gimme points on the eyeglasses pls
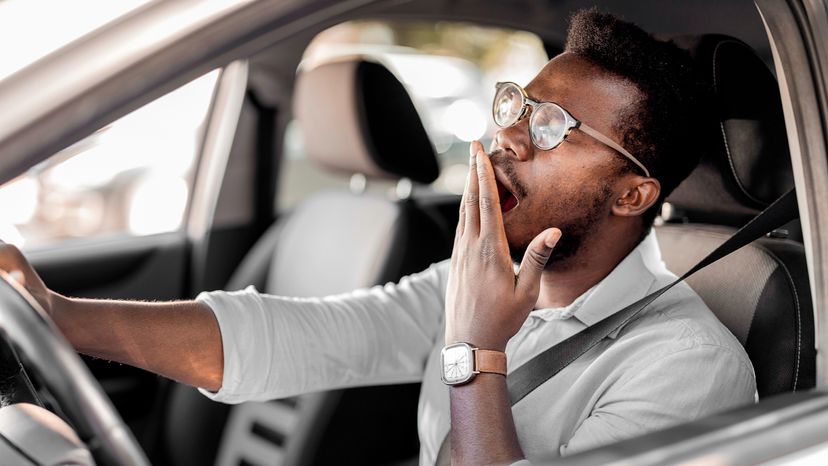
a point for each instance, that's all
(549, 123)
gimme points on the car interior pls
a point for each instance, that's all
(761, 292)
(361, 125)
(377, 241)
(771, 316)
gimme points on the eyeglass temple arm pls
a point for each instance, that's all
(609, 142)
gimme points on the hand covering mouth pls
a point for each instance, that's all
(509, 190)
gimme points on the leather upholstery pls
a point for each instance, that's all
(761, 292)
(358, 118)
(745, 163)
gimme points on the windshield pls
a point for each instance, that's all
(31, 29)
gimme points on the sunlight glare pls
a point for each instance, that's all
(31, 29)
(18, 200)
(466, 119)
(157, 204)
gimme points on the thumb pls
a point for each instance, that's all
(534, 260)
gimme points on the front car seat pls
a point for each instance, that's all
(761, 292)
(357, 119)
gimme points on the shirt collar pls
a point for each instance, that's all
(630, 281)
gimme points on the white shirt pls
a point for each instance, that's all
(674, 363)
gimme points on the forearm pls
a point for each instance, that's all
(179, 340)
(482, 428)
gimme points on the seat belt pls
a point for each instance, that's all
(545, 365)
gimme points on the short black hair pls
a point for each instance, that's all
(661, 127)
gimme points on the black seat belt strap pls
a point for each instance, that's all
(545, 365)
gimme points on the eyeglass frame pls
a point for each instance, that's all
(570, 123)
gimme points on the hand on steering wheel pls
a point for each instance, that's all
(25, 321)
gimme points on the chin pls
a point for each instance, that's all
(518, 245)
(518, 238)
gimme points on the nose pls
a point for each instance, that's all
(516, 138)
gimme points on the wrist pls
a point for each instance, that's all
(482, 379)
(60, 310)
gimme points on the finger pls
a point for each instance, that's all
(471, 196)
(10, 257)
(534, 261)
(491, 219)
(458, 233)
(461, 219)
(10, 261)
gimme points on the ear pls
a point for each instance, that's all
(638, 194)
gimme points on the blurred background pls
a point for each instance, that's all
(133, 177)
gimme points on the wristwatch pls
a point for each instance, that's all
(461, 362)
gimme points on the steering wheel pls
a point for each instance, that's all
(48, 356)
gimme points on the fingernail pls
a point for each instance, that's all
(552, 238)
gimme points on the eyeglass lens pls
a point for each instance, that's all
(547, 124)
(508, 105)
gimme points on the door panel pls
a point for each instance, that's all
(149, 267)
(783, 428)
(144, 268)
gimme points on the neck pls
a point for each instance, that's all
(598, 255)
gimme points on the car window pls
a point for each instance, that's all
(131, 177)
(449, 69)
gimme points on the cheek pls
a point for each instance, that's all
(559, 202)
(554, 193)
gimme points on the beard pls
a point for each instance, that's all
(575, 231)
(588, 208)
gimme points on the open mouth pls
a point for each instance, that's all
(508, 201)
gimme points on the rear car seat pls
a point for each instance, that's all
(356, 118)
(761, 292)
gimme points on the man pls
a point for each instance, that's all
(584, 157)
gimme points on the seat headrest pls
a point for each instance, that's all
(356, 117)
(745, 164)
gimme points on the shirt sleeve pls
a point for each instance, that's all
(276, 347)
(678, 387)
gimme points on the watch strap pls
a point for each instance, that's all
(489, 361)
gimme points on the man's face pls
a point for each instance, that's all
(573, 186)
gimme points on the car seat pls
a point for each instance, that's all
(357, 119)
(761, 292)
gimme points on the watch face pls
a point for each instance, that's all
(457, 363)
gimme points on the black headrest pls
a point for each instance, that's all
(745, 163)
(358, 118)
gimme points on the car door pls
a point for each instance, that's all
(220, 202)
(126, 213)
